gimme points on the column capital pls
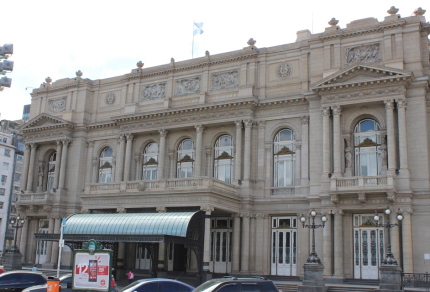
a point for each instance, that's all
(66, 142)
(130, 137)
(408, 211)
(59, 142)
(90, 143)
(304, 120)
(339, 212)
(120, 210)
(163, 133)
(389, 104)
(337, 110)
(245, 215)
(261, 124)
(325, 111)
(401, 102)
(160, 209)
(199, 128)
(248, 123)
(208, 209)
(238, 124)
(121, 137)
(34, 146)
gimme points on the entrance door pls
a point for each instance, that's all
(143, 258)
(284, 246)
(41, 245)
(368, 249)
(221, 245)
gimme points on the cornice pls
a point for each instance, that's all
(344, 33)
(50, 127)
(361, 85)
(99, 125)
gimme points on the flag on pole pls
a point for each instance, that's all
(198, 28)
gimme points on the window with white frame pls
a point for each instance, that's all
(1, 205)
(223, 159)
(284, 158)
(2, 191)
(51, 171)
(7, 152)
(5, 166)
(185, 161)
(105, 165)
(367, 148)
(150, 162)
(4, 140)
(19, 157)
(3, 178)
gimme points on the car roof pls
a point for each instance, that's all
(158, 280)
(22, 272)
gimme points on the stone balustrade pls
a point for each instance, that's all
(34, 198)
(283, 191)
(362, 183)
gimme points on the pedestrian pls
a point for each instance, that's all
(113, 285)
(130, 276)
(34, 269)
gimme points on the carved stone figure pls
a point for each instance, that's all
(187, 86)
(57, 105)
(224, 80)
(153, 91)
(348, 157)
(384, 154)
(365, 53)
(40, 177)
(110, 98)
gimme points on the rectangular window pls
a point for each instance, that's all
(5, 166)
(7, 152)
(19, 157)
(16, 188)
(18, 167)
(2, 190)
(17, 177)
(21, 146)
(3, 178)
(1, 205)
(4, 140)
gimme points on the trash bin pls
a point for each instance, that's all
(53, 284)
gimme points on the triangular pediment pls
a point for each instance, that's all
(45, 121)
(361, 73)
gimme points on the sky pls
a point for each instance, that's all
(107, 38)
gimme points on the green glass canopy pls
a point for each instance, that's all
(174, 224)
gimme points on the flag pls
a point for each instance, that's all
(199, 29)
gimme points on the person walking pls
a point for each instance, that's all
(130, 276)
(34, 269)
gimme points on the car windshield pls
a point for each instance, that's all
(207, 286)
(135, 283)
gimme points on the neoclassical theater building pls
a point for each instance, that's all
(208, 164)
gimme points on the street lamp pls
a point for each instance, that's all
(313, 257)
(389, 258)
(19, 222)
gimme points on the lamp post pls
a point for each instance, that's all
(16, 223)
(389, 258)
(313, 257)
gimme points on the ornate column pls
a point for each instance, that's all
(119, 167)
(62, 179)
(337, 154)
(305, 152)
(162, 152)
(259, 243)
(245, 243)
(247, 152)
(49, 243)
(238, 152)
(128, 157)
(236, 244)
(88, 175)
(298, 164)
(138, 172)
(94, 164)
(199, 149)
(207, 240)
(338, 243)
(408, 255)
(326, 140)
(327, 246)
(57, 164)
(403, 145)
(391, 139)
(31, 167)
(25, 167)
(24, 241)
(54, 253)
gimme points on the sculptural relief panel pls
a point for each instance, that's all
(57, 105)
(364, 53)
(187, 86)
(287, 71)
(153, 91)
(224, 80)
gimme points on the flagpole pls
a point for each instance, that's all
(192, 49)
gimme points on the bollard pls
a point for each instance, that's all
(53, 284)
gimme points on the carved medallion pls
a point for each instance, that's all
(187, 86)
(224, 80)
(153, 91)
(365, 53)
(57, 105)
(110, 98)
(284, 71)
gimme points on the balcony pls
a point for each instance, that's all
(162, 186)
(362, 184)
(34, 199)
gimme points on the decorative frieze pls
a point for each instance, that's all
(153, 91)
(57, 105)
(363, 93)
(187, 86)
(364, 53)
(224, 80)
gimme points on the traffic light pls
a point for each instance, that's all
(6, 65)
(6, 82)
(6, 49)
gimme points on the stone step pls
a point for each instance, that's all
(349, 289)
(286, 287)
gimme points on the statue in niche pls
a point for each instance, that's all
(40, 177)
(348, 157)
(384, 157)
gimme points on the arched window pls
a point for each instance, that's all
(51, 171)
(150, 162)
(105, 165)
(223, 159)
(367, 148)
(185, 164)
(284, 158)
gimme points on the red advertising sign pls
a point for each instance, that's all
(91, 271)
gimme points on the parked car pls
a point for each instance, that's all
(19, 280)
(158, 285)
(232, 284)
(65, 284)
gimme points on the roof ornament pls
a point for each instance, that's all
(419, 11)
(333, 22)
(393, 10)
(139, 64)
(48, 80)
(251, 42)
(79, 73)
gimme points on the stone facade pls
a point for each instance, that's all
(336, 122)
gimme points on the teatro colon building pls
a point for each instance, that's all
(207, 165)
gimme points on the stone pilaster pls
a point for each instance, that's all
(337, 153)
(408, 260)
(391, 139)
(62, 179)
(338, 244)
(236, 243)
(90, 145)
(31, 167)
(305, 152)
(245, 243)
(403, 145)
(119, 167)
(327, 246)
(247, 152)
(162, 154)
(199, 149)
(207, 238)
(127, 161)
(326, 141)
(238, 152)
